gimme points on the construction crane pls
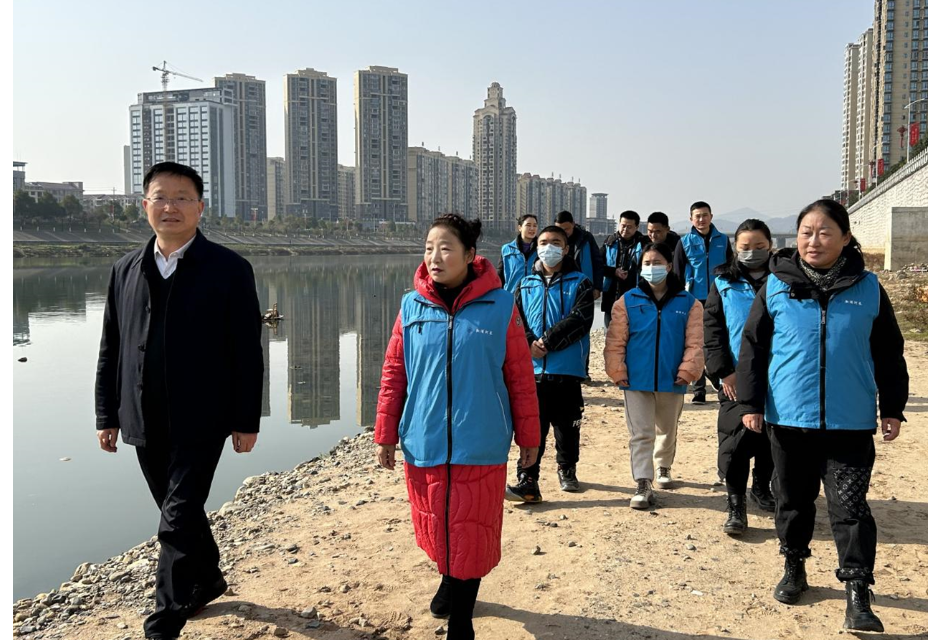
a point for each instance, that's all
(165, 80)
(166, 73)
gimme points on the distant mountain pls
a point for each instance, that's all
(728, 222)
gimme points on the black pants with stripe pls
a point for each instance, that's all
(842, 462)
(560, 407)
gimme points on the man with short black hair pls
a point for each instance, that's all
(622, 257)
(703, 249)
(657, 230)
(179, 370)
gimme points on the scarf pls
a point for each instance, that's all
(823, 280)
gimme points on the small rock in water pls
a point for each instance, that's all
(23, 359)
(65, 459)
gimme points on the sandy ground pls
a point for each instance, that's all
(604, 570)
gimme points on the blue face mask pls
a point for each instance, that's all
(550, 254)
(654, 273)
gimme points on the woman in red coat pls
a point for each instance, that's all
(456, 385)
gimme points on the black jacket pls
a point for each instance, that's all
(212, 354)
(619, 287)
(887, 343)
(583, 240)
(672, 240)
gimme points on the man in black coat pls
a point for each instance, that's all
(179, 370)
(622, 261)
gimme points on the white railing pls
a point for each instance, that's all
(917, 162)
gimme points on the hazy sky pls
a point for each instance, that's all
(656, 103)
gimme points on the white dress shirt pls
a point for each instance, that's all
(168, 265)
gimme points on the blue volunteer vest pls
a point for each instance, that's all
(699, 272)
(611, 259)
(543, 308)
(584, 262)
(736, 299)
(515, 265)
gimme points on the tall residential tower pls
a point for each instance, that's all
(494, 152)
(251, 144)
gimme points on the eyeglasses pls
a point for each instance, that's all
(173, 202)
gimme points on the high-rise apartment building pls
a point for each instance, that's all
(850, 118)
(545, 197)
(347, 192)
(440, 184)
(277, 188)
(494, 152)
(251, 144)
(574, 199)
(598, 208)
(864, 110)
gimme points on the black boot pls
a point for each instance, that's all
(526, 491)
(793, 583)
(736, 524)
(763, 496)
(568, 479)
(463, 599)
(858, 613)
(440, 603)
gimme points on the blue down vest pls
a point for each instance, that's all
(736, 299)
(545, 306)
(699, 272)
(656, 341)
(515, 265)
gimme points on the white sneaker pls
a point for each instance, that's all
(663, 479)
(644, 496)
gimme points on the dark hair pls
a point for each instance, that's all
(835, 212)
(699, 205)
(733, 269)
(564, 216)
(174, 169)
(553, 229)
(521, 219)
(753, 224)
(659, 247)
(631, 215)
(658, 217)
(467, 231)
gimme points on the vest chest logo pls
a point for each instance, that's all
(483, 331)
(681, 313)
(857, 303)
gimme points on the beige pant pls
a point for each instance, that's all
(653, 421)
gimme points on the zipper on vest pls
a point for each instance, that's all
(544, 318)
(450, 421)
(824, 305)
(659, 323)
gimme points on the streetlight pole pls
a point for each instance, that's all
(907, 108)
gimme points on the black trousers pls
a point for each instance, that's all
(560, 406)
(737, 445)
(179, 478)
(842, 461)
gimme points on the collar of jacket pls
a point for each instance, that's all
(486, 281)
(519, 244)
(577, 236)
(196, 250)
(614, 238)
(712, 231)
(785, 265)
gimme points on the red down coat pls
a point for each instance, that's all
(469, 545)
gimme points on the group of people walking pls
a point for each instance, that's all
(797, 343)
(802, 346)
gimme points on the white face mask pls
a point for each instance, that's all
(550, 254)
(654, 273)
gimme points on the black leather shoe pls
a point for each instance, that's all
(568, 480)
(761, 494)
(202, 596)
(793, 583)
(736, 524)
(440, 603)
(858, 613)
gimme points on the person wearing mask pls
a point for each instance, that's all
(653, 350)
(728, 304)
(556, 303)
